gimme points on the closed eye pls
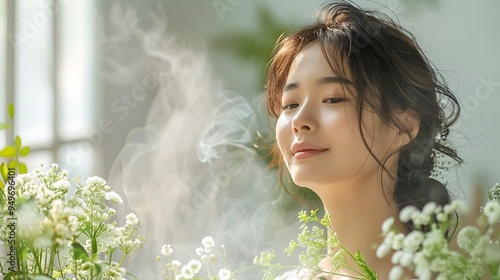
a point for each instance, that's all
(332, 100)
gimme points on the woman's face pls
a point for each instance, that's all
(318, 132)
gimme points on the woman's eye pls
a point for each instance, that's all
(333, 100)
(289, 106)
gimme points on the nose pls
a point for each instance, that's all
(304, 121)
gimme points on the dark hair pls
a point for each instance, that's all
(389, 74)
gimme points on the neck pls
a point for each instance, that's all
(357, 211)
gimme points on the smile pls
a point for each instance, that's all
(307, 153)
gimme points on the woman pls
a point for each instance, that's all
(360, 113)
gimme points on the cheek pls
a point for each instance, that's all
(283, 132)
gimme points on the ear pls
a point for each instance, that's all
(410, 122)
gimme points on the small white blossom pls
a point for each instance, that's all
(406, 259)
(199, 251)
(468, 238)
(396, 273)
(166, 250)
(386, 226)
(396, 257)
(224, 274)
(383, 250)
(406, 213)
(492, 211)
(429, 208)
(113, 197)
(208, 243)
(413, 240)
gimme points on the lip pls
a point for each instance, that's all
(304, 150)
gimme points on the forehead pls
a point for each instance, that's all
(310, 62)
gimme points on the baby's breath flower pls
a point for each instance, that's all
(406, 213)
(429, 208)
(406, 259)
(166, 250)
(113, 197)
(383, 250)
(413, 240)
(199, 251)
(208, 243)
(224, 274)
(492, 211)
(396, 273)
(386, 226)
(468, 238)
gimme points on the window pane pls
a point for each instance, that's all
(3, 64)
(75, 70)
(33, 98)
(77, 158)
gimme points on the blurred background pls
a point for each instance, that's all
(77, 83)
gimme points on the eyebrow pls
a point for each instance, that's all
(321, 81)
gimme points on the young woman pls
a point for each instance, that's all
(360, 112)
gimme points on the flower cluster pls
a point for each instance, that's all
(207, 254)
(430, 253)
(318, 244)
(61, 235)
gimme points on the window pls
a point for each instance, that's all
(49, 62)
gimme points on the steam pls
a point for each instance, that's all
(190, 171)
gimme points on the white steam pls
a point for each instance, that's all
(190, 171)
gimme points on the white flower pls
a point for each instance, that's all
(396, 273)
(176, 264)
(224, 274)
(468, 238)
(413, 240)
(187, 272)
(460, 206)
(396, 257)
(131, 219)
(195, 265)
(166, 250)
(199, 251)
(492, 211)
(208, 243)
(114, 197)
(406, 213)
(62, 185)
(397, 241)
(406, 259)
(383, 250)
(386, 226)
(429, 208)
(95, 181)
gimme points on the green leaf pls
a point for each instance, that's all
(23, 169)
(3, 171)
(2, 187)
(11, 111)
(98, 268)
(4, 126)
(78, 252)
(18, 143)
(13, 164)
(24, 151)
(8, 152)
